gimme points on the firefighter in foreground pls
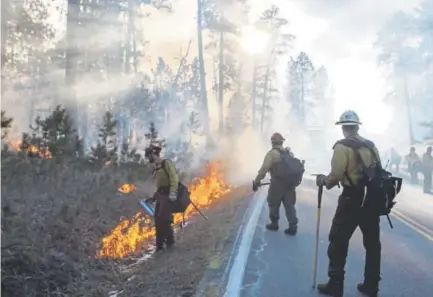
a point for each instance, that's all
(166, 180)
(279, 189)
(350, 213)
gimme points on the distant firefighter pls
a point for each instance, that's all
(427, 170)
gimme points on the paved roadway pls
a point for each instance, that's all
(272, 264)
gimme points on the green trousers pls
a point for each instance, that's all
(278, 194)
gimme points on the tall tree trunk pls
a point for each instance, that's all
(128, 42)
(71, 60)
(221, 83)
(408, 110)
(302, 101)
(254, 94)
(264, 98)
(215, 77)
(131, 49)
(203, 94)
(265, 88)
(4, 17)
(32, 105)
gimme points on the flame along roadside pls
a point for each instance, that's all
(130, 236)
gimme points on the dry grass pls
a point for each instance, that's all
(177, 272)
(54, 214)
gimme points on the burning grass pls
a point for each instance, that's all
(55, 212)
(131, 235)
(201, 246)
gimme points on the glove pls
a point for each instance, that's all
(150, 200)
(320, 180)
(172, 196)
(255, 186)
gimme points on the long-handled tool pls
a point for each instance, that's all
(199, 211)
(257, 186)
(149, 209)
(316, 252)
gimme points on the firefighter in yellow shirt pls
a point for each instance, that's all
(278, 191)
(166, 181)
(346, 170)
(413, 165)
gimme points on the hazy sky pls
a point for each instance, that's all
(340, 34)
(336, 33)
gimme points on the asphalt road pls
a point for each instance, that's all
(272, 264)
(416, 209)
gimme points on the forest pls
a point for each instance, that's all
(97, 62)
(84, 91)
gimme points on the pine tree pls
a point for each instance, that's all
(129, 155)
(153, 136)
(6, 124)
(193, 124)
(299, 74)
(53, 136)
(105, 151)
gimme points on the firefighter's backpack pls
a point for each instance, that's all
(381, 187)
(289, 170)
(183, 195)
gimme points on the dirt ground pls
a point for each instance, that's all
(176, 273)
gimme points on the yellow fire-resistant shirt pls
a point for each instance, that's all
(162, 179)
(344, 160)
(272, 157)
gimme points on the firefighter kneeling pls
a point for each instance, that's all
(166, 180)
(351, 211)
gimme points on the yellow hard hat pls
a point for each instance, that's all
(349, 118)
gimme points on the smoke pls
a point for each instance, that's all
(242, 155)
(344, 47)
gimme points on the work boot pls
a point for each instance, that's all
(292, 230)
(159, 249)
(273, 226)
(331, 288)
(369, 290)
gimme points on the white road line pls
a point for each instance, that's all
(236, 275)
(421, 229)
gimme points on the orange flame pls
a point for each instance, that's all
(43, 153)
(126, 188)
(131, 236)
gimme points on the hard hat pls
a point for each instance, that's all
(349, 118)
(277, 138)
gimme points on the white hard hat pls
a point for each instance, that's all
(349, 118)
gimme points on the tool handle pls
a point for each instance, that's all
(319, 197)
(389, 222)
(316, 249)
